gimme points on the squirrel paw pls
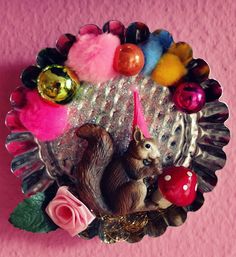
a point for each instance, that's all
(156, 170)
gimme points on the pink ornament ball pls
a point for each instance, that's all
(45, 121)
(91, 57)
(189, 97)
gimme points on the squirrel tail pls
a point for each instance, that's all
(96, 158)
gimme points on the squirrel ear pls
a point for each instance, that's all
(138, 135)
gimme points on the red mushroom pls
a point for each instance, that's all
(178, 185)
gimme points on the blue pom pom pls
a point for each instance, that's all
(165, 38)
(152, 50)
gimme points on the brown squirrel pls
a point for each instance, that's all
(114, 185)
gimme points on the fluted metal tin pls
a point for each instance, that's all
(195, 141)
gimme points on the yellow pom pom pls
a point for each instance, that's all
(183, 51)
(169, 70)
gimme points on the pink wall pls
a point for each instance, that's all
(209, 26)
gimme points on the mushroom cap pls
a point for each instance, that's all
(178, 185)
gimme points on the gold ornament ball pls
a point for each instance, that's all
(57, 84)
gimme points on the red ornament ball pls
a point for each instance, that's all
(178, 185)
(64, 43)
(128, 60)
(90, 29)
(18, 99)
(189, 97)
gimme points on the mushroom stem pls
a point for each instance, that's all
(158, 198)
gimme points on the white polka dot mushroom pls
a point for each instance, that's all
(177, 185)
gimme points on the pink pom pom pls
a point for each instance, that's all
(45, 121)
(91, 57)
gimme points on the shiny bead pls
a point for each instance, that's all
(29, 76)
(57, 84)
(64, 43)
(17, 98)
(212, 89)
(90, 29)
(49, 56)
(136, 33)
(189, 97)
(198, 70)
(183, 51)
(13, 122)
(164, 37)
(128, 60)
(116, 28)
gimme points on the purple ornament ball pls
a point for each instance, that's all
(212, 90)
(189, 97)
(116, 28)
(136, 33)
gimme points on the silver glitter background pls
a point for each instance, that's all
(111, 106)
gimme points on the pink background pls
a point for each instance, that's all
(209, 26)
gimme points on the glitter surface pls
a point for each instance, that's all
(111, 105)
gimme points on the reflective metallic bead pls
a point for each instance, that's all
(136, 33)
(116, 28)
(64, 43)
(189, 97)
(29, 76)
(198, 70)
(128, 60)
(57, 84)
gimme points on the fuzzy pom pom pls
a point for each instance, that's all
(45, 121)
(152, 50)
(91, 57)
(169, 70)
(165, 38)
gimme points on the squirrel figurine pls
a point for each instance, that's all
(114, 185)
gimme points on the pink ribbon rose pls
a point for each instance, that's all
(68, 212)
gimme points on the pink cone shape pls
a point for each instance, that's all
(139, 119)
